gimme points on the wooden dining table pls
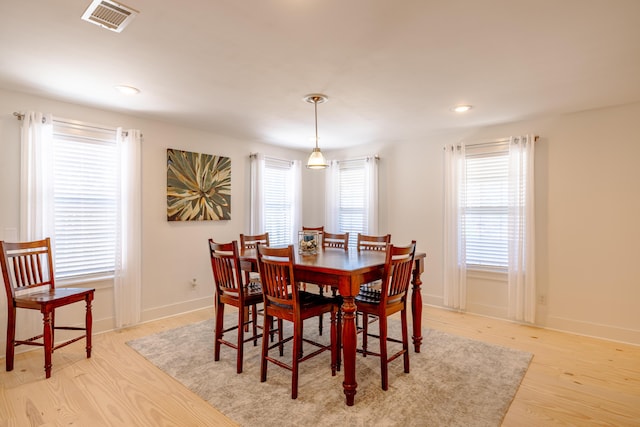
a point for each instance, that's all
(346, 271)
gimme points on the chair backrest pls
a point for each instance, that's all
(248, 241)
(225, 265)
(276, 275)
(336, 240)
(373, 243)
(318, 229)
(26, 265)
(398, 269)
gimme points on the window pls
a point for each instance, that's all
(279, 201)
(489, 220)
(485, 207)
(86, 194)
(352, 199)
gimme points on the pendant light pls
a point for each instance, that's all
(316, 159)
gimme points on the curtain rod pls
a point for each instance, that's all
(497, 141)
(20, 116)
(63, 121)
(487, 143)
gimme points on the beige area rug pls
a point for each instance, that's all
(454, 381)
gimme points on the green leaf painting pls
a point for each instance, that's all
(198, 186)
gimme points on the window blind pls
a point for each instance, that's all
(486, 208)
(278, 200)
(86, 193)
(352, 210)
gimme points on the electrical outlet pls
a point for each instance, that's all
(194, 282)
(542, 299)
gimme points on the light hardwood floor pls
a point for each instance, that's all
(572, 380)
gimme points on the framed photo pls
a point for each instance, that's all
(198, 186)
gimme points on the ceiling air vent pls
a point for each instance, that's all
(109, 14)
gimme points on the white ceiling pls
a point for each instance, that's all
(391, 69)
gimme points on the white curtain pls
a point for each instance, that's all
(521, 231)
(332, 197)
(371, 183)
(256, 204)
(36, 177)
(128, 271)
(455, 267)
(257, 221)
(296, 223)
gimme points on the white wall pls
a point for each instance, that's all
(173, 253)
(587, 217)
(588, 205)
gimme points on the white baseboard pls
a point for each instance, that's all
(594, 330)
(175, 309)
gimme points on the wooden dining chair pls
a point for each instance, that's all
(231, 290)
(29, 280)
(248, 241)
(336, 240)
(251, 242)
(371, 243)
(391, 298)
(320, 229)
(285, 301)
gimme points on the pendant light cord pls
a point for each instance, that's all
(315, 105)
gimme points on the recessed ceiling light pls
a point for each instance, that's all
(461, 108)
(127, 90)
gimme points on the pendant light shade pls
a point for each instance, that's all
(316, 159)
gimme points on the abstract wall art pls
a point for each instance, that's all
(198, 186)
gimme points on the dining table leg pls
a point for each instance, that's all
(416, 304)
(349, 348)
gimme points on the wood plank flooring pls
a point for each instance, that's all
(572, 380)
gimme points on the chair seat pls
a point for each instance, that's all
(309, 300)
(368, 298)
(58, 294)
(249, 292)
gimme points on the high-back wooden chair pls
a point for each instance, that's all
(251, 242)
(318, 229)
(336, 240)
(391, 298)
(285, 301)
(373, 243)
(231, 290)
(248, 241)
(28, 274)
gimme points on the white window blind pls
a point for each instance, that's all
(486, 207)
(352, 209)
(278, 201)
(86, 194)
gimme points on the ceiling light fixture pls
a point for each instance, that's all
(316, 159)
(461, 108)
(127, 90)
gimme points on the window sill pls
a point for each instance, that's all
(97, 281)
(487, 273)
